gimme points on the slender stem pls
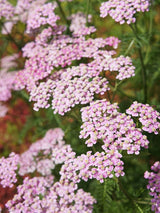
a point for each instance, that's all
(150, 35)
(62, 12)
(109, 97)
(104, 195)
(143, 202)
(129, 47)
(58, 120)
(10, 37)
(87, 11)
(115, 90)
(144, 74)
(129, 197)
(124, 94)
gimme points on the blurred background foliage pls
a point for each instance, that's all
(23, 126)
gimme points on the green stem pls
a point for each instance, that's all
(87, 11)
(150, 35)
(104, 195)
(124, 94)
(129, 47)
(129, 197)
(11, 38)
(115, 90)
(143, 68)
(63, 13)
(58, 120)
(143, 202)
(109, 97)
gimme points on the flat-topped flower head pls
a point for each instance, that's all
(7, 77)
(154, 185)
(123, 11)
(101, 120)
(149, 118)
(78, 25)
(29, 195)
(8, 168)
(6, 84)
(43, 155)
(87, 166)
(42, 15)
(40, 194)
(77, 85)
(6, 9)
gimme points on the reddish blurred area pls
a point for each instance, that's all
(10, 125)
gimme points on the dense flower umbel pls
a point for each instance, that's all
(101, 120)
(78, 25)
(7, 78)
(154, 185)
(76, 86)
(88, 166)
(29, 196)
(44, 154)
(6, 9)
(124, 10)
(149, 118)
(65, 198)
(8, 167)
(42, 15)
(40, 195)
(6, 84)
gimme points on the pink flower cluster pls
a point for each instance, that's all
(78, 25)
(102, 121)
(149, 118)
(44, 154)
(28, 199)
(104, 61)
(25, 7)
(40, 195)
(123, 11)
(154, 185)
(7, 78)
(8, 168)
(6, 9)
(76, 86)
(42, 15)
(88, 166)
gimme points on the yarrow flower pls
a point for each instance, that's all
(123, 11)
(40, 195)
(76, 86)
(6, 77)
(42, 15)
(23, 8)
(78, 25)
(6, 9)
(43, 155)
(102, 121)
(154, 185)
(149, 118)
(8, 168)
(88, 166)
(28, 198)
